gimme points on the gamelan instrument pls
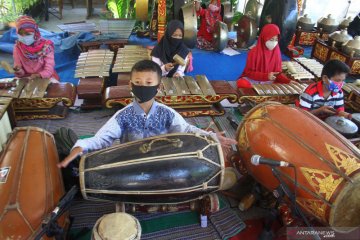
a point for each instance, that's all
(324, 52)
(306, 34)
(126, 59)
(344, 126)
(31, 184)
(142, 10)
(246, 32)
(117, 226)
(94, 63)
(38, 98)
(116, 28)
(78, 27)
(253, 9)
(165, 169)
(297, 72)
(7, 120)
(284, 14)
(188, 16)
(189, 96)
(352, 95)
(327, 164)
(312, 65)
(228, 14)
(220, 36)
(283, 93)
(92, 68)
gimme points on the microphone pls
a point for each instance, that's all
(257, 159)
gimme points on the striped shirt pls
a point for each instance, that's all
(313, 98)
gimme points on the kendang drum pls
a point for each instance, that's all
(327, 164)
(165, 169)
(30, 183)
(117, 226)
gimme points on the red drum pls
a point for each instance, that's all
(30, 183)
(327, 164)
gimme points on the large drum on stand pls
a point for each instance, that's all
(165, 169)
(30, 183)
(327, 164)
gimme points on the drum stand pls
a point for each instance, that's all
(279, 193)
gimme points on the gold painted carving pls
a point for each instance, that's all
(343, 160)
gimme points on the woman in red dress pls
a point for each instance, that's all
(208, 17)
(263, 64)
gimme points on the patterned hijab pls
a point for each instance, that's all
(40, 47)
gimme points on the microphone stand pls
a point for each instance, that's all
(284, 188)
(50, 226)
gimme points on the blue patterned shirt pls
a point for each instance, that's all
(132, 123)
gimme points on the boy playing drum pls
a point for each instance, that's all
(143, 118)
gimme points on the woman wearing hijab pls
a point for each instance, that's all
(263, 65)
(170, 45)
(208, 17)
(33, 55)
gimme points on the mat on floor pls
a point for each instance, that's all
(176, 225)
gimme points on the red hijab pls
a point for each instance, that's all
(260, 58)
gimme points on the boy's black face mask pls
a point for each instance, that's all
(144, 93)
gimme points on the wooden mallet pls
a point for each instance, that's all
(7, 67)
(179, 60)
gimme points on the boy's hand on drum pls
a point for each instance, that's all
(73, 154)
(225, 141)
(169, 66)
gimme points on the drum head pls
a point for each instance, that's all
(119, 226)
(342, 125)
(344, 216)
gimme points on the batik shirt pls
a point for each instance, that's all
(132, 123)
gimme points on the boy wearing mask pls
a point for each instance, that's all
(325, 98)
(143, 118)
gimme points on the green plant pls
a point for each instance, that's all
(237, 17)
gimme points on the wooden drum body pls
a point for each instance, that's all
(166, 169)
(30, 183)
(327, 165)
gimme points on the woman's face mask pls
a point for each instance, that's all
(271, 44)
(27, 40)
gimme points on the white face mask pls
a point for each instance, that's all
(271, 44)
(27, 40)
